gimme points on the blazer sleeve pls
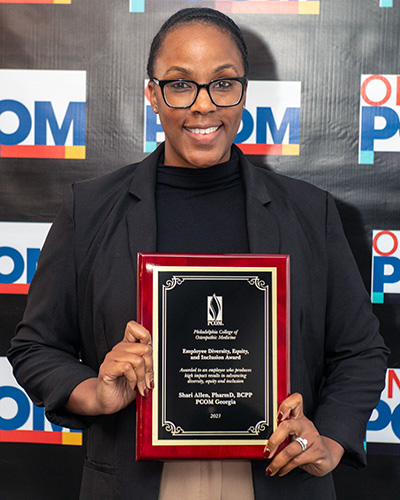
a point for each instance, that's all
(45, 351)
(355, 353)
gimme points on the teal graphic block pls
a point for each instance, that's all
(136, 6)
(150, 146)
(377, 298)
(366, 158)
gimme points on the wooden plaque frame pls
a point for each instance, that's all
(213, 318)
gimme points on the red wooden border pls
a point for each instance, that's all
(144, 448)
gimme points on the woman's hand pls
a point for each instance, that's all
(126, 368)
(321, 454)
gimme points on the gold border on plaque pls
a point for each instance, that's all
(156, 334)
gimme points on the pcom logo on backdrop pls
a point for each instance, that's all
(245, 6)
(384, 424)
(20, 245)
(379, 116)
(385, 3)
(42, 114)
(270, 122)
(23, 422)
(385, 267)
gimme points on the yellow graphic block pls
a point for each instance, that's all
(75, 152)
(72, 438)
(291, 149)
(309, 7)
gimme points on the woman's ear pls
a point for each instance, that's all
(245, 95)
(152, 96)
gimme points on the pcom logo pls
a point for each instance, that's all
(379, 116)
(385, 267)
(215, 310)
(36, 1)
(384, 424)
(20, 245)
(23, 422)
(42, 114)
(247, 6)
(270, 121)
(385, 3)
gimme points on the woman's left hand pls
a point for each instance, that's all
(321, 454)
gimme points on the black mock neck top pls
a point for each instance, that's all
(201, 210)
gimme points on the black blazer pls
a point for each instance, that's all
(84, 293)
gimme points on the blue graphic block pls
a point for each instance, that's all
(377, 298)
(136, 6)
(366, 158)
(386, 3)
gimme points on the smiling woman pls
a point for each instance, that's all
(200, 117)
(79, 351)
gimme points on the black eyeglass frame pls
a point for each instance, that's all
(162, 83)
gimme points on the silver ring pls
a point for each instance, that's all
(302, 442)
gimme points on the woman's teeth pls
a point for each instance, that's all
(203, 131)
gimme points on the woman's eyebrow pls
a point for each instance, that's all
(226, 66)
(189, 72)
(178, 68)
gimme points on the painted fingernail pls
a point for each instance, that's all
(146, 392)
(280, 416)
(268, 472)
(267, 453)
(152, 384)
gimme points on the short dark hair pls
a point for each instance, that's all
(201, 15)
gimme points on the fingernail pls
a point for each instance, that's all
(280, 416)
(267, 453)
(152, 384)
(146, 392)
(268, 472)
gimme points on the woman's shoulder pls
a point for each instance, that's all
(116, 185)
(297, 187)
(280, 185)
(92, 203)
(100, 187)
(285, 190)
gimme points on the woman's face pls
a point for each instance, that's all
(202, 135)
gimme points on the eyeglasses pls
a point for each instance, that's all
(223, 92)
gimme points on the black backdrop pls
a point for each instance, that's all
(327, 52)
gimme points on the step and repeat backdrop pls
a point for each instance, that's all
(323, 105)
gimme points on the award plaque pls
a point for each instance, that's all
(220, 333)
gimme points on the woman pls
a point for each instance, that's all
(78, 350)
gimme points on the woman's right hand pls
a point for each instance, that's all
(126, 368)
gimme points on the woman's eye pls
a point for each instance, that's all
(179, 86)
(222, 85)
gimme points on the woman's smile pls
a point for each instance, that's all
(203, 136)
(202, 131)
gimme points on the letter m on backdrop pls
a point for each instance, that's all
(75, 117)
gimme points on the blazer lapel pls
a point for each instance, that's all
(262, 222)
(141, 218)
